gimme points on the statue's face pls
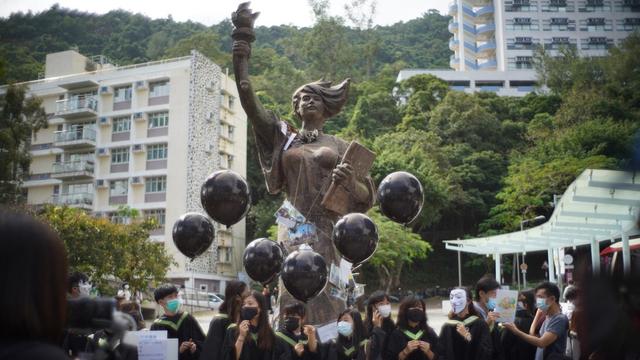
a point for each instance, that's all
(311, 106)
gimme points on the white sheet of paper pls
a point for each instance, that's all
(327, 332)
(152, 349)
(345, 271)
(133, 337)
(506, 301)
(172, 349)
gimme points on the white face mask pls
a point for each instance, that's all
(458, 298)
(84, 288)
(384, 310)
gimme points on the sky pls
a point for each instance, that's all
(272, 12)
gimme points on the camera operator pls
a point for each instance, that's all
(103, 339)
(79, 287)
(33, 270)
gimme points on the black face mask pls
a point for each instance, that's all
(248, 312)
(415, 315)
(291, 323)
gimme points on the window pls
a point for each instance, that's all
(232, 101)
(118, 187)
(159, 119)
(160, 88)
(122, 124)
(230, 131)
(158, 215)
(121, 94)
(157, 151)
(120, 155)
(156, 184)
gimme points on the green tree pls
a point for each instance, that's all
(206, 42)
(20, 117)
(397, 248)
(107, 251)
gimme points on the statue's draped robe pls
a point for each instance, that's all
(303, 171)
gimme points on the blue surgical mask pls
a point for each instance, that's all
(345, 328)
(491, 303)
(542, 304)
(174, 305)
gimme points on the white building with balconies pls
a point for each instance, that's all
(493, 40)
(145, 136)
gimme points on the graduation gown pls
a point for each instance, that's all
(292, 339)
(454, 347)
(343, 348)
(212, 347)
(250, 350)
(515, 348)
(378, 339)
(183, 327)
(400, 337)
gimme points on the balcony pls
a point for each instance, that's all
(453, 26)
(486, 31)
(224, 146)
(73, 170)
(75, 138)
(76, 107)
(453, 9)
(453, 44)
(491, 64)
(79, 200)
(454, 62)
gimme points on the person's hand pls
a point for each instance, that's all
(241, 48)
(510, 326)
(377, 319)
(412, 345)
(310, 331)
(184, 346)
(492, 316)
(192, 346)
(463, 331)
(244, 329)
(343, 174)
(299, 348)
(424, 346)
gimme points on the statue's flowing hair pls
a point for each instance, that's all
(333, 97)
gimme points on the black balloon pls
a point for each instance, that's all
(193, 233)
(356, 237)
(304, 273)
(400, 196)
(262, 260)
(225, 196)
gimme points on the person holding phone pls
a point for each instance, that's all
(378, 324)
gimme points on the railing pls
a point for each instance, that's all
(75, 134)
(72, 166)
(73, 199)
(76, 104)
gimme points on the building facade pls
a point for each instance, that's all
(144, 136)
(493, 40)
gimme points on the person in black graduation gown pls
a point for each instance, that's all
(301, 338)
(465, 336)
(413, 339)
(252, 337)
(228, 313)
(351, 342)
(514, 347)
(378, 324)
(179, 325)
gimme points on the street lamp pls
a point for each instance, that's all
(532, 221)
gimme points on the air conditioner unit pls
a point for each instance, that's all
(101, 183)
(138, 148)
(139, 116)
(104, 90)
(103, 151)
(104, 121)
(136, 180)
(141, 85)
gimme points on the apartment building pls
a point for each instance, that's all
(144, 136)
(493, 40)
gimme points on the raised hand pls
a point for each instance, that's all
(243, 17)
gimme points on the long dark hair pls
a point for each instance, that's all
(33, 279)
(266, 337)
(470, 308)
(529, 297)
(233, 299)
(374, 299)
(359, 333)
(407, 303)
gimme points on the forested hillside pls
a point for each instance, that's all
(485, 162)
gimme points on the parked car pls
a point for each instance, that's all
(202, 299)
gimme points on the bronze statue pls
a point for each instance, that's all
(302, 162)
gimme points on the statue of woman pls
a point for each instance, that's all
(301, 162)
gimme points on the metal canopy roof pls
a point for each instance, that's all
(599, 205)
